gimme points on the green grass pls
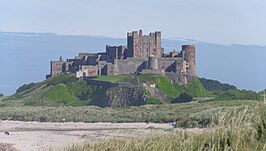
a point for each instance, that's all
(196, 89)
(59, 94)
(112, 78)
(63, 89)
(164, 84)
(61, 78)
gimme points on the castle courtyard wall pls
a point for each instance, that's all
(131, 65)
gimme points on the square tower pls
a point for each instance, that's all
(144, 45)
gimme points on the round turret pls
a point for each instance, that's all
(190, 58)
(153, 62)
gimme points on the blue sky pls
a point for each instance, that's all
(216, 21)
(211, 21)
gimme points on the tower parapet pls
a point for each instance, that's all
(142, 46)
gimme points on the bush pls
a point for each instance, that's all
(238, 95)
(213, 85)
(25, 87)
(184, 97)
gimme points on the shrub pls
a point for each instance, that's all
(238, 95)
(214, 85)
(25, 87)
(184, 97)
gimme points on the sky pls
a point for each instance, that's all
(214, 21)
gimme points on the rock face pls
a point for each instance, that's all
(123, 96)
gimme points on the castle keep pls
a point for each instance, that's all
(142, 55)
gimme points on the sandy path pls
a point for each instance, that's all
(39, 136)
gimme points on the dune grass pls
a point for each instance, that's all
(232, 125)
(239, 128)
(188, 114)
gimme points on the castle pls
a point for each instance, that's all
(142, 55)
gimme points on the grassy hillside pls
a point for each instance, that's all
(231, 125)
(214, 85)
(163, 84)
(194, 88)
(65, 89)
(59, 94)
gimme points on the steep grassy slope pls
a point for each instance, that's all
(59, 94)
(196, 89)
(163, 84)
(65, 89)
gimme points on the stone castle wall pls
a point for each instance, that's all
(131, 65)
(143, 54)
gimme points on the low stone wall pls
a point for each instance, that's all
(110, 84)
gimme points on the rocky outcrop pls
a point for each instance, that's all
(124, 96)
(157, 93)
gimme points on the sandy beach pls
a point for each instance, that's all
(42, 136)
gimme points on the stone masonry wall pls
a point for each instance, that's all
(130, 66)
